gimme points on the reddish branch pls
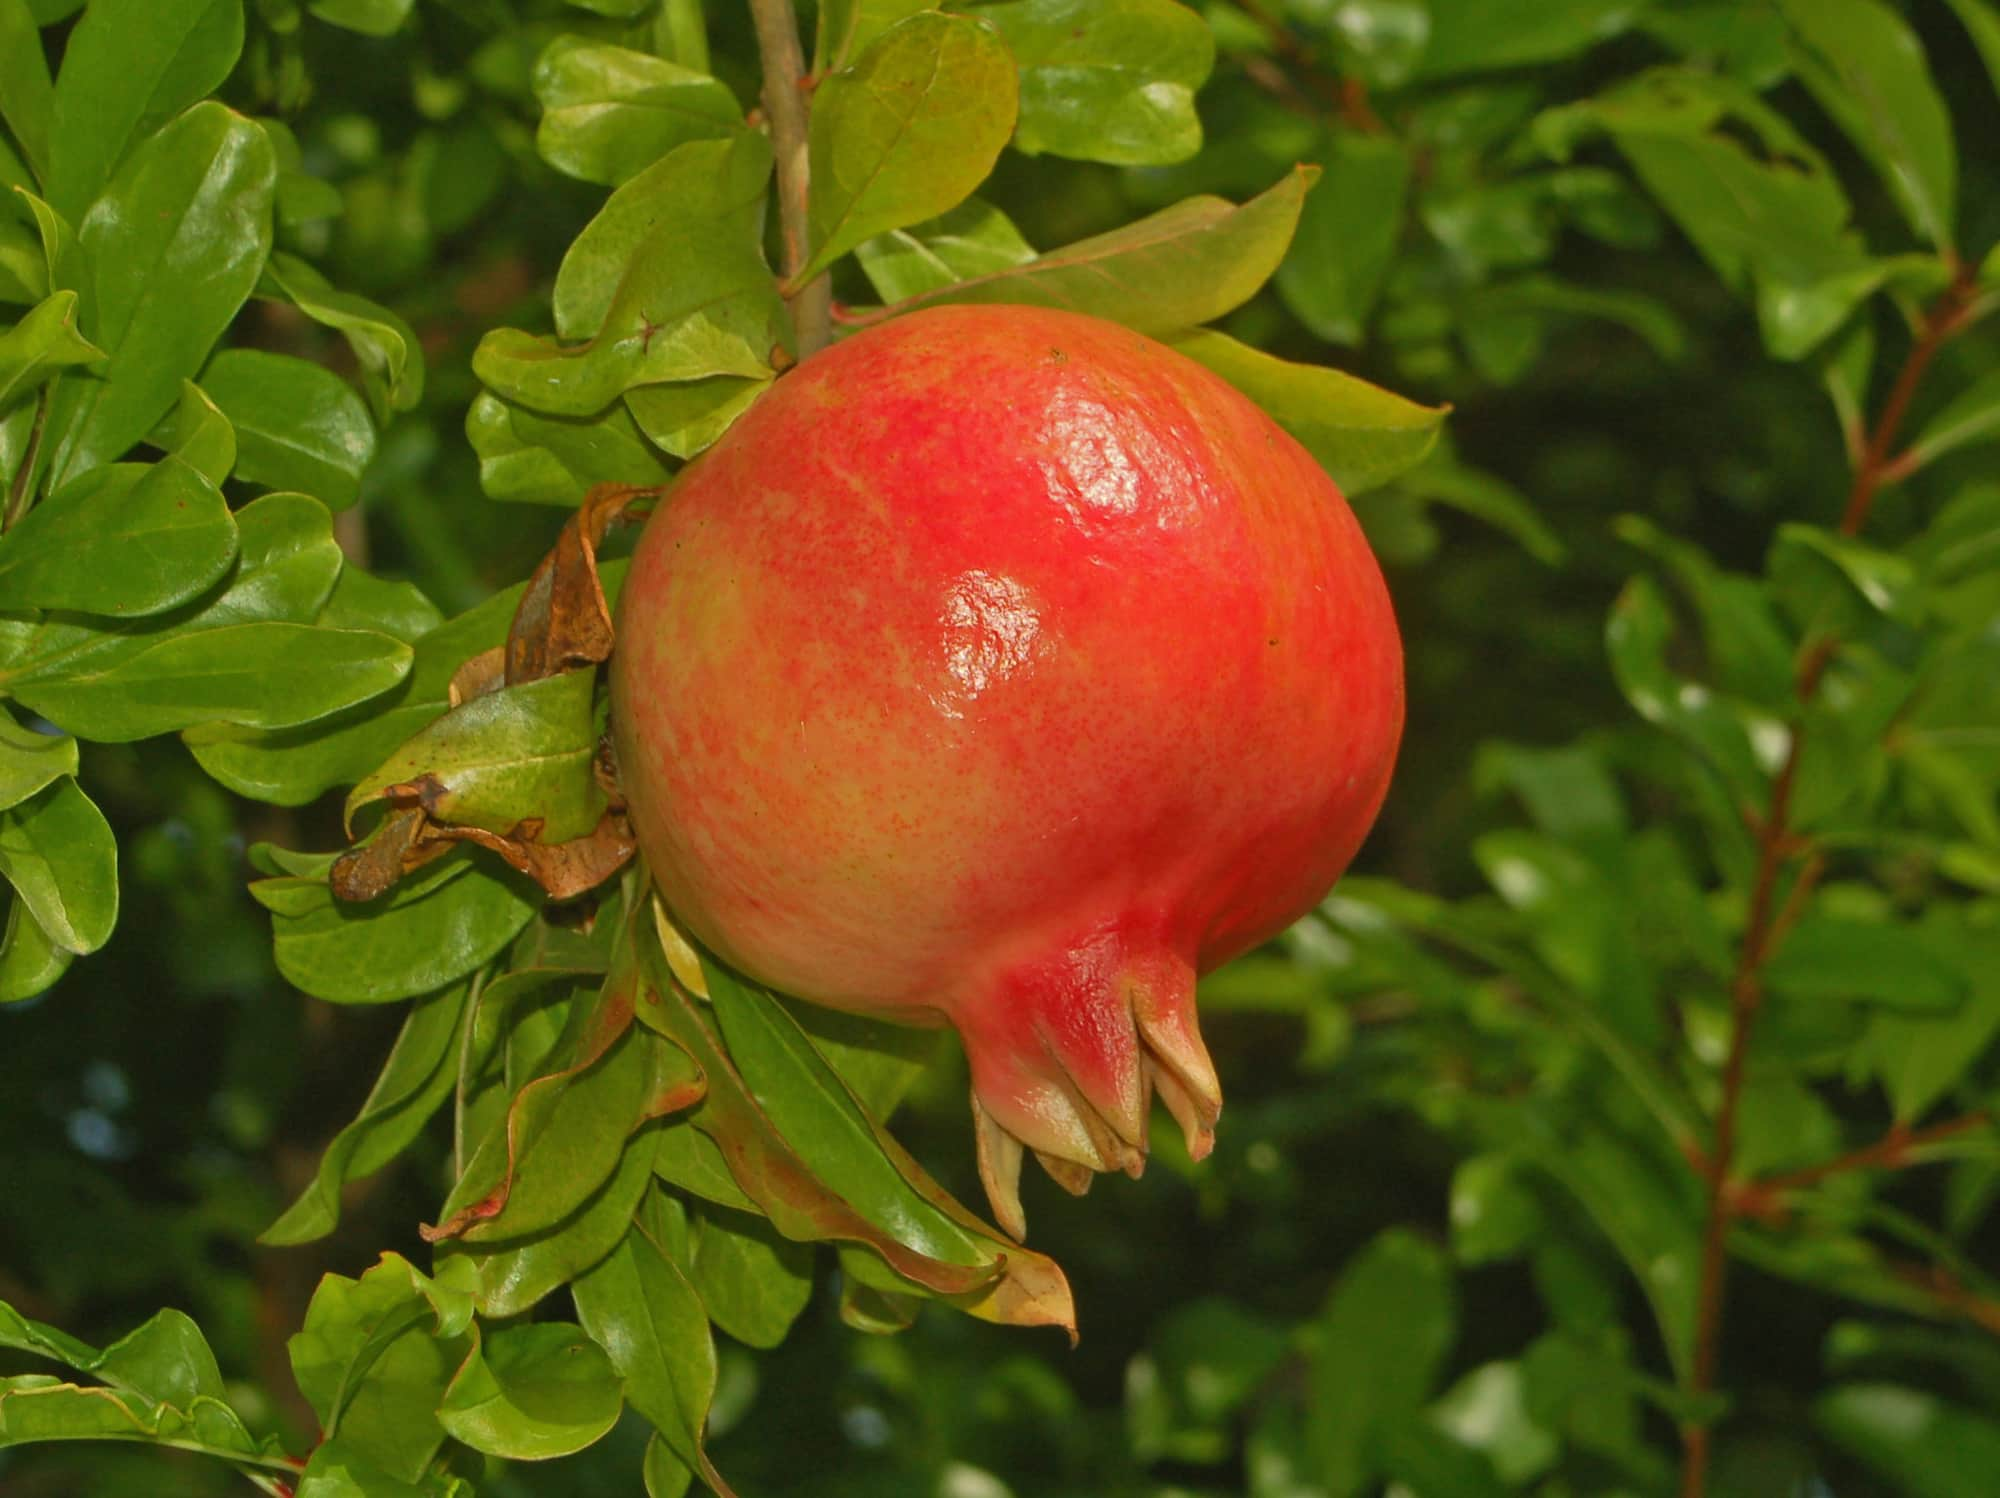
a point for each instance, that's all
(1768, 920)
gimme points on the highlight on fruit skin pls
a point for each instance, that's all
(1003, 667)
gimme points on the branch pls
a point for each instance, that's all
(1768, 920)
(1902, 1146)
(785, 107)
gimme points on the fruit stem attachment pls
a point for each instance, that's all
(786, 108)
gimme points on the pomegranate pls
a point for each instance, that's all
(1005, 667)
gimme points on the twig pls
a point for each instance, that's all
(1768, 921)
(1347, 97)
(1902, 1146)
(785, 107)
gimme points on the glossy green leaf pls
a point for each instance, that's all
(61, 856)
(908, 130)
(752, 1282)
(665, 1474)
(516, 1274)
(1106, 80)
(1973, 416)
(515, 753)
(261, 675)
(528, 458)
(814, 1111)
(696, 301)
(1175, 269)
(1926, 1446)
(1384, 1335)
(336, 1470)
(415, 1080)
(433, 928)
(175, 245)
(1347, 233)
(369, 17)
(1360, 433)
(391, 360)
(1869, 72)
(27, 99)
(688, 417)
(29, 961)
(35, 1408)
(973, 239)
(30, 760)
(533, 1392)
(713, 182)
(1441, 479)
(845, 27)
(640, 1308)
(197, 433)
(689, 1159)
(375, 1355)
(294, 766)
(298, 425)
(608, 112)
(128, 540)
(129, 66)
(41, 345)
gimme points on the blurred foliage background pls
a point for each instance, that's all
(1450, 1239)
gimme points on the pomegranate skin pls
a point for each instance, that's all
(1005, 667)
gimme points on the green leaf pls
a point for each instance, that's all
(391, 360)
(294, 766)
(686, 418)
(374, 1357)
(907, 131)
(528, 458)
(1928, 1447)
(1982, 23)
(29, 961)
(336, 1470)
(41, 345)
(130, 539)
(689, 1159)
(517, 752)
(608, 113)
(1185, 265)
(1869, 73)
(845, 27)
(1106, 80)
(129, 66)
(263, 675)
(1347, 234)
(817, 1115)
(697, 300)
(1973, 416)
(1636, 637)
(27, 100)
(61, 856)
(973, 239)
(640, 1308)
(516, 1274)
(369, 17)
(1471, 36)
(1749, 651)
(1360, 433)
(198, 434)
(45, 1341)
(753, 1282)
(1441, 479)
(175, 244)
(711, 182)
(1825, 957)
(298, 425)
(1383, 1339)
(30, 760)
(533, 1392)
(432, 929)
(415, 1080)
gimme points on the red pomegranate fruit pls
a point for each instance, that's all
(1005, 667)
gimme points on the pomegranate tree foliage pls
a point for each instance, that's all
(1674, 966)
